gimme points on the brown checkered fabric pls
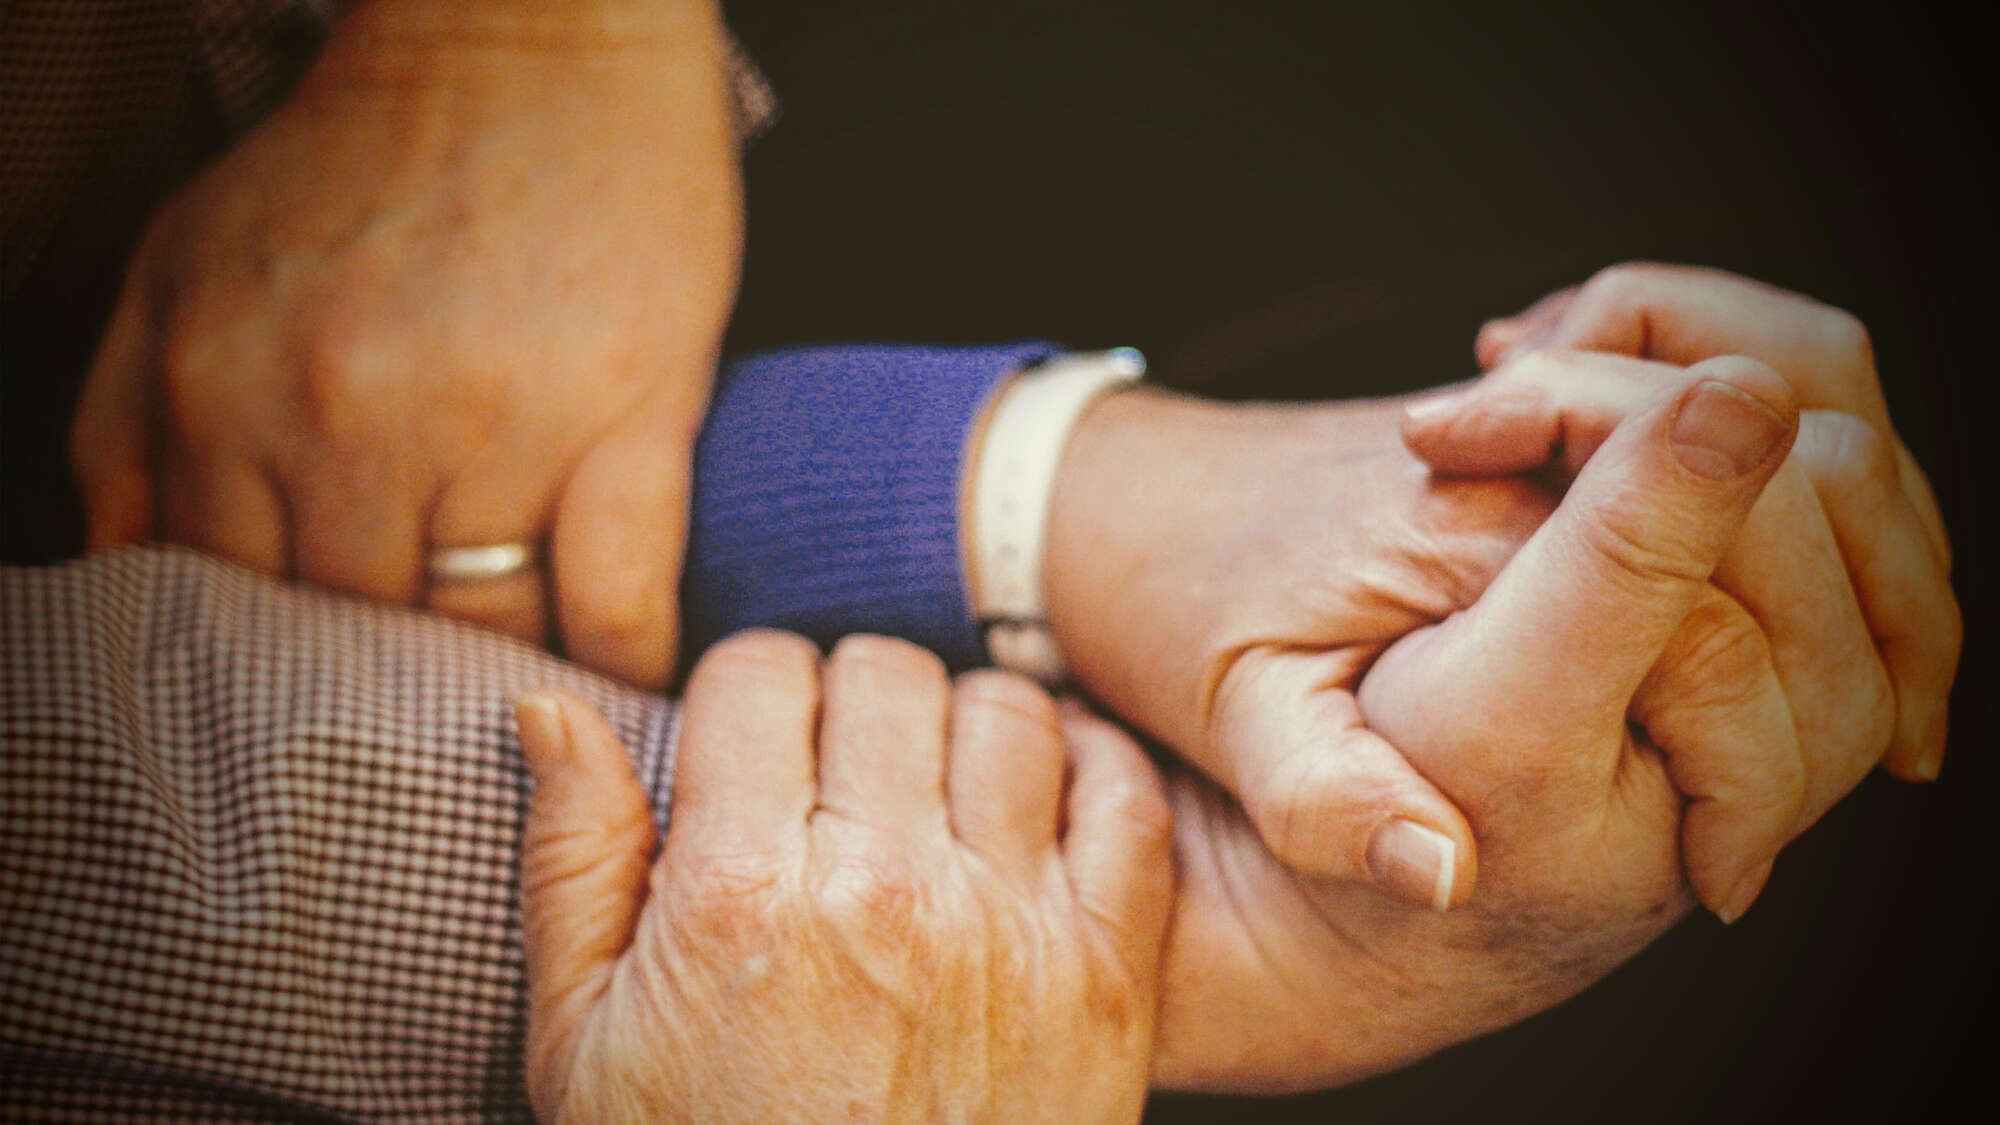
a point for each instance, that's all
(258, 848)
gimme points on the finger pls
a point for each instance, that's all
(1004, 778)
(619, 535)
(1118, 842)
(110, 441)
(357, 528)
(1714, 705)
(490, 508)
(514, 604)
(585, 852)
(1328, 796)
(1683, 315)
(1917, 487)
(882, 734)
(1905, 591)
(1542, 406)
(1605, 583)
(1785, 567)
(1531, 327)
(1786, 570)
(227, 508)
(743, 769)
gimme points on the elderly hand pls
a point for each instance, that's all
(1892, 692)
(466, 287)
(882, 897)
(1560, 710)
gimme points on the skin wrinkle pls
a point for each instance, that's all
(1243, 902)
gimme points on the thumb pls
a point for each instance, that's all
(1606, 582)
(1329, 796)
(585, 853)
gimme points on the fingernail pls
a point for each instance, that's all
(1932, 761)
(1744, 893)
(1416, 862)
(1723, 433)
(543, 736)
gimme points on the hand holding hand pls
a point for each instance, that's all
(881, 897)
(1886, 692)
(466, 287)
(1221, 576)
(1564, 711)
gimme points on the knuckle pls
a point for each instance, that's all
(1860, 719)
(1724, 655)
(1947, 638)
(725, 899)
(1640, 550)
(1851, 455)
(759, 661)
(1618, 286)
(1846, 335)
(1291, 813)
(1874, 705)
(1001, 699)
(187, 393)
(1144, 813)
(333, 389)
(876, 663)
(872, 896)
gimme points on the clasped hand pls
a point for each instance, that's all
(1618, 698)
(1308, 540)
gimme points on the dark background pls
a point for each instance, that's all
(1308, 200)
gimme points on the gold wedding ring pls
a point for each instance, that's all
(479, 564)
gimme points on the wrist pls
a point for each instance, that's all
(1122, 491)
(1012, 461)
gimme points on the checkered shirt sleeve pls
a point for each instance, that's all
(258, 848)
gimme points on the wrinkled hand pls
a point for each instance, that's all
(1882, 683)
(1563, 711)
(466, 287)
(881, 898)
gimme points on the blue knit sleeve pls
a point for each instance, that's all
(826, 495)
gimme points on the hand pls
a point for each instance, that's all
(1277, 980)
(877, 920)
(1221, 576)
(466, 287)
(1877, 502)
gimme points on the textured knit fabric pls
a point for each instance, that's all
(259, 847)
(827, 495)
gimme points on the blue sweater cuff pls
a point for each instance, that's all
(826, 495)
